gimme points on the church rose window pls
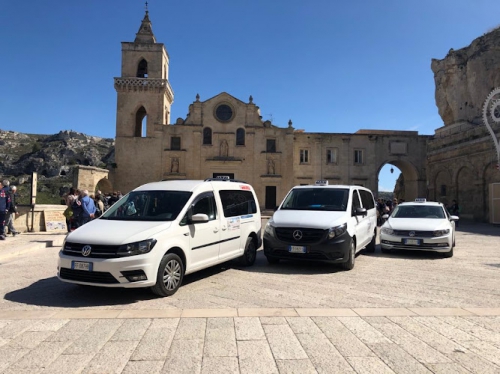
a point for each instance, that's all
(224, 113)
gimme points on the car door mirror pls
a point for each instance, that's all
(385, 216)
(454, 218)
(360, 212)
(199, 218)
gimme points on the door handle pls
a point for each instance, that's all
(224, 228)
(216, 229)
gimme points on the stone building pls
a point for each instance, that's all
(461, 156)
(224, 135)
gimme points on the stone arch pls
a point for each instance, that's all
(142, 69)
(104, 185)
(443, 187)
(413, 188)
(139, 117)
(490, 175)
(464, 189)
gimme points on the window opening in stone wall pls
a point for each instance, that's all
(142, 69)
(358, 156)
(207, 136)
(240, 137)
(141, 122)
(304, 156)
(175, 143)
(331, 156)
(443, 190)
(271, 145)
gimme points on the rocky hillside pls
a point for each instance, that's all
(52, 157)
(465, 77)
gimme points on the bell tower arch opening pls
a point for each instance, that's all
(405, 178)
(142, 69)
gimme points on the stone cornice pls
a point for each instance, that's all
(158, 85)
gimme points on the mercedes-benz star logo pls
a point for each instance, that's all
(297, 235)
(411, 233)
(86, 250)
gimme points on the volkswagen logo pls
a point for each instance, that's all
(297, 235)
(86, 250)
(411, 233)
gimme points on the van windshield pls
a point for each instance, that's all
(148, 206)
(329, 199)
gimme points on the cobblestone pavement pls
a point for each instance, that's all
(401, 313)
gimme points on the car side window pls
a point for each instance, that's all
(356, 203)
(367, 199)
(237, 202)
(204, 204)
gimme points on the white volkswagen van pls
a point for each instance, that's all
(161, 231)
(322, 222)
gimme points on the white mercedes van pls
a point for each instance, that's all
(161, 231)
(322, 222)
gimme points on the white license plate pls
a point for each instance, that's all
(77, 265)
(296, 249)
(411, 241)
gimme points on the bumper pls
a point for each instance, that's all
(336, 250)
(108, 272)
(439, 244)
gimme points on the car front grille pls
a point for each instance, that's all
(406, 246)
(309, 236)
(306, 256)
(87, 276)
(419, 234)
(97, 250)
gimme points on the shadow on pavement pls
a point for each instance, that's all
(54, 293)
(469, 227)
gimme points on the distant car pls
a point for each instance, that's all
(419, 226)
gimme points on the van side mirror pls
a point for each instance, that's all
(360, 212)
(198, 218)
(454, 218)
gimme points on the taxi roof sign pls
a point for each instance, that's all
(322, 182)
(420, 200)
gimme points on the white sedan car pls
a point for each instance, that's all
(419, 226)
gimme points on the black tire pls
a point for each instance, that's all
(169, 277)
(273, 260)
(448, 254)
(370, 248)
(250, 253)
(349, 265)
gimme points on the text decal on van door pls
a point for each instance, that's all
(233, 223)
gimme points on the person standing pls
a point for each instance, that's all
(88, 208)
(455, 210)
(4, 207)
(12, 213)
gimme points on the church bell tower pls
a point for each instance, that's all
(144, 99)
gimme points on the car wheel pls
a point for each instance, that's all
(448, 254)
(370, 248)
(169, 277)
(272, 260)
(352, 257)
(250, 253)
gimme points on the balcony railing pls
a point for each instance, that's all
(143, 84)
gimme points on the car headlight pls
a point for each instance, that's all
(269, 227)
(388, 231)
(337, 231)
(137, 248)
(441, 232)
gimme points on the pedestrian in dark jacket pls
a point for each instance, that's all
(4, 206)
(11, 215)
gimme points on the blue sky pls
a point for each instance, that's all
(328, 65)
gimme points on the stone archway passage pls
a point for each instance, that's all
(413, 187)
(105, 186)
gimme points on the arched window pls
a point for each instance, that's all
(140, 122)
(207, 135)
(240, 137)
(142, 69)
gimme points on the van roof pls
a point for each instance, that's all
(187, 185)
(343, 186)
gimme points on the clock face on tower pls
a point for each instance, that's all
(224, 113)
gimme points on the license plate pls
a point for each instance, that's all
(77, 265)
(412, 241)
(296, 249)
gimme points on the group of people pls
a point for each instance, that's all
(82, 207)
(386, 207)
(8, 209)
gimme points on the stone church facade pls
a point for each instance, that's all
(224, 135)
